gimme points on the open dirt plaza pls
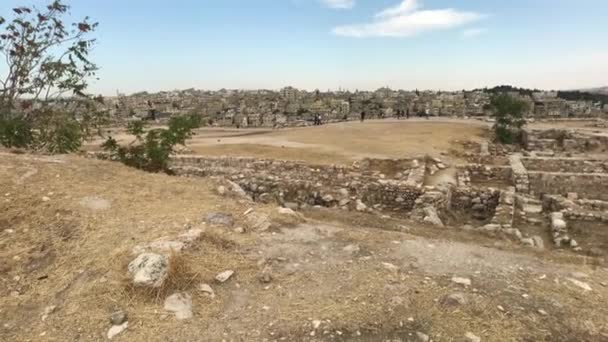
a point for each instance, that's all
(417, 230)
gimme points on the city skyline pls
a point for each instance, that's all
(349, 44)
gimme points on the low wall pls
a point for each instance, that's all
(586, 185)
(572, 165)
(301, 185)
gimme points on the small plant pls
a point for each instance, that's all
(150, 151)
(509, 114)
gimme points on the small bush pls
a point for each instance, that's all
(151, 150)
(63, 136)
(16, 132)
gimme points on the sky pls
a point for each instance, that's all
(156, 45)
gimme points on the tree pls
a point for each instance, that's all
(46, 58)
(509, 113)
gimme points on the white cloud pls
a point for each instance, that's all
(473, 32)
(403, 8)
(407, 19)
(339, 4)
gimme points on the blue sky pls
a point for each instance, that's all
(356, 44)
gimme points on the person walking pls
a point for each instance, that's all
(362, 116)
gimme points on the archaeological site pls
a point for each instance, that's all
(422, 230)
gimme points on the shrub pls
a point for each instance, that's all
(151, 150)
(16, 132)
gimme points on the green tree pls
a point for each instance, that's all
(46, 58)
(509, 113)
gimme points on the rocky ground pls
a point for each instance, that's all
(72, 231)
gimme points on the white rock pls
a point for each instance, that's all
(461, 281)
(580, 284)
(206, 289)
(221, 190)
(360, 206)
(316, 324)
(149, 269)
(180, 304)
(117, 329)
(224, 276)
(558, 224)
(432, 217)
(422, 337)
(470, 337)
(286, 211)
(45, 199)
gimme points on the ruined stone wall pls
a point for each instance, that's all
(519, 174)
(586, 185)
(564, 140)
(300, 185)
(574, 165)
(484, 173)
(478, 203)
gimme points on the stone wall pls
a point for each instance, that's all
(478, 173)
(586, 185)
(575, 165)
(519, 174)
(299, 185)
(564, 140)
(478, 203)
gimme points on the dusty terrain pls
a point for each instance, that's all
(68, 227)
(340, 143)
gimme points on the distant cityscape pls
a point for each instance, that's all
(291, 107)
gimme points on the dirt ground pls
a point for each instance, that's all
(339, 143)
(68, 226)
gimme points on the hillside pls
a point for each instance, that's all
(68, 227)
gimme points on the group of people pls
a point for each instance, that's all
(403, 113)
(400, 114)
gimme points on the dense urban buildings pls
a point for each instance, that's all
(292, 107)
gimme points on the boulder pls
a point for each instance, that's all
(149, 270)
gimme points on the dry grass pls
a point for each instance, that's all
(83, 255)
